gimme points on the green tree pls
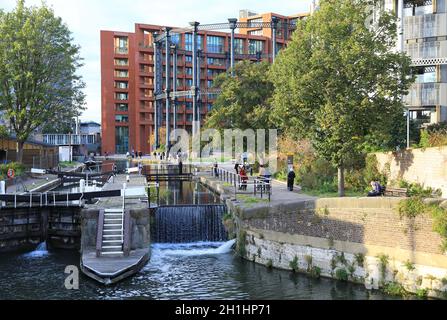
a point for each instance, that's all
(38, 63)
(339, 81)
(244, 101)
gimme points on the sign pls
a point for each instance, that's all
(11, 173)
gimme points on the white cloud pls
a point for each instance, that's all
(86, 18)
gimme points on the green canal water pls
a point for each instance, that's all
(176, 271)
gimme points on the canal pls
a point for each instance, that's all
(181, 270)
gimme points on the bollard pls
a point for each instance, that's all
(128, 178)
(2, 191)
(82, 186)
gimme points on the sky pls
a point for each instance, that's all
(85, 18)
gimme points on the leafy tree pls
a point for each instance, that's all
(339, 81)
(244, 101)
(38, 63)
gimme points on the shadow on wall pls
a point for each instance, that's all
(404, 159)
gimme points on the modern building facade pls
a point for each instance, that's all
(423, 36)
(128, 75)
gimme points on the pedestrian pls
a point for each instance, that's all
(236, 167)
(216, 169)
(244, 179)
(133, 154)
(291, 179)
(140, 168)
(180, 167)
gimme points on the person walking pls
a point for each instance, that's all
(236, 167)
(244, 179)
(291, 179)
(216, 169)
(180, 167)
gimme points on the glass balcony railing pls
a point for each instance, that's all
(427, 94)
(425, 26)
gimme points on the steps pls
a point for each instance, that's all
(112, 236)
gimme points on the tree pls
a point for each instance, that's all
(339, 80)
(38, 63)
(244, 101)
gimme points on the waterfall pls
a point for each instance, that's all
(40, 251)
(188, 224)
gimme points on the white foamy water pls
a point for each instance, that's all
(195, 249)
(40, 251)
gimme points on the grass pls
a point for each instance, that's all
(318, 193)
(68, 164)
(251, 200)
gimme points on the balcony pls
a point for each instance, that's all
(69, 139)
(427, 53)
(120, 50)
(425, 26)
(427, 94)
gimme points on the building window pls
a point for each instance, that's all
(121, 45)
(176, 38)
(121, 96)
(188, 42)
(121, 62)
(189, 117)
(210, 83)
(121, 73)
(255, 46)
(189, 82)
(121, 84)
(188, 105)
(216, 62)
(425, 74)
(417, 7)
(239, 46)
(188, 59)
(188, 71)
(121, 140)
(209, 107)
(255, 32)
(122, 119)
(253, 22)
(121, 107)
(214, 44)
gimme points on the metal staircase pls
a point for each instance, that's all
(113, 232)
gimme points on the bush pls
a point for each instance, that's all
(342, 274)
(294, 264)
(17, 167)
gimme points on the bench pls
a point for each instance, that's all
(396, 192)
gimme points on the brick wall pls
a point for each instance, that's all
(361, 224)
(425, 166)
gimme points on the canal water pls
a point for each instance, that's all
(177, 270)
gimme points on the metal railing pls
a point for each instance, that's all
(262, 186)
(69, 139)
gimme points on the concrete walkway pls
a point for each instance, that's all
(29, 183)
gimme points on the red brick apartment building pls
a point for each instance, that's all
(127, 75)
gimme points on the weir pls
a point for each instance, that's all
(188, 223)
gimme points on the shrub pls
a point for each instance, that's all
(342, 274)
(409, 265)
(309, 260)
(384, 259)
(395, 289)
(17, 167)
(411, 208)
(360, 259)
(315, 272)
(294, 264)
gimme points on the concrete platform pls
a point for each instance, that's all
(110, 270)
